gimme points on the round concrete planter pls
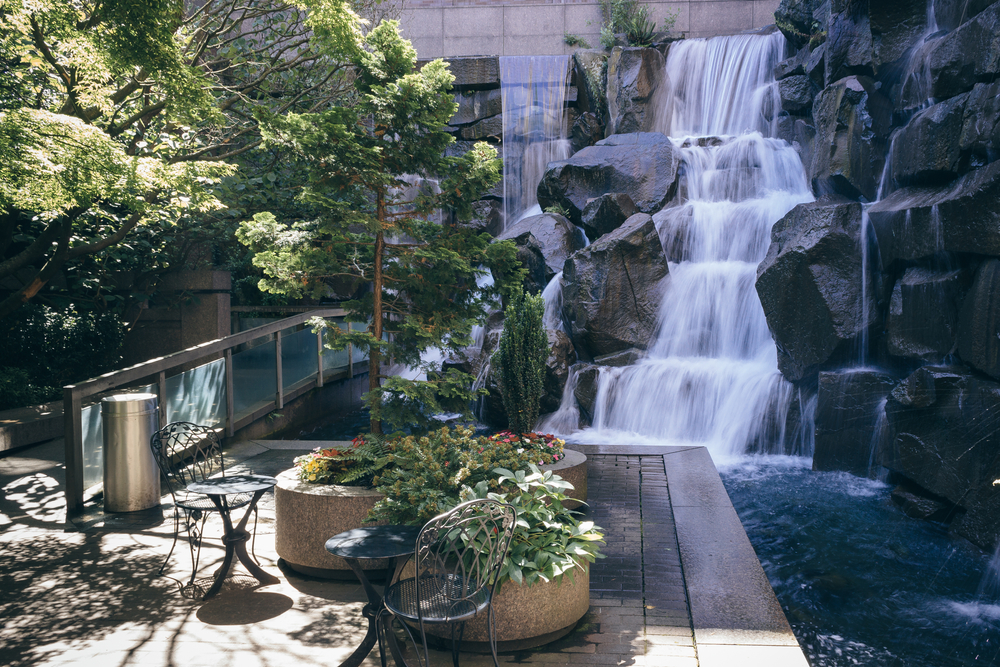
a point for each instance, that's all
(307, 515)
(527, 616)
(573, 469)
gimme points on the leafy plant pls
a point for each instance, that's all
(549, 541)
(542, 443)
(424, 475)
(640, 29)
(557, 209)
(520, 360)
(355, 466)
(574, 40)
(629, 18)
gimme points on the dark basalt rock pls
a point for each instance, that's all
(852, 121)
(476, 105)
(979, 326)
(606, 214)
(557, 237)
(674, 225)
(799, 19)
(848, 42)
(919, 504)
(487, 216)
(586, 131)
(847, 410)
(643, 166)
(619, 359)
(895, 26)
(923, 314)
(926, 150)
(561, 357)
(794, 66)
(612, 295)
(799, 133)
(917, 222)
(475, 73)
(796, 93)
(532, 258)
(489, 128)
(980, 138)
(634, 74)
(815, 65)
(586, 390)
(589, 65)
(810, 286)
(946, 440)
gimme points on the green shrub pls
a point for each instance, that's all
(520, 360)
(353, 466)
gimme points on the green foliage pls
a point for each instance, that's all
(557, 209)
(353, 466)
(425, 474)
(372, 228)
(549, 541)
(575, 40)
(631, 19)
(520, 360)
(19, 389)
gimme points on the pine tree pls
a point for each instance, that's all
(419, 276)
(520, 360)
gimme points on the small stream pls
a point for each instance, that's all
(860, 582)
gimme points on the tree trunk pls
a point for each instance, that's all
(374, 354)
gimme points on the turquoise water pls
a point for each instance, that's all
(860, 582)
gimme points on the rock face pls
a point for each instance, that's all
(963, 216)
(796, 93)
(852, 121)
(810, 286)
(923, 314)
(797, 19)
(946, 440)
(979, 327)
(586, 131)
(895, 27)
(634, 74)
(476, 105)
(926, 151)
(586, 390)
(557, 238)
(606, 214)
(847, 410)
(643, 166)
(561, 357)
(966, 56)
(611, 294)
(848, 42)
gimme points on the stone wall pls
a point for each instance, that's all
(450, 28)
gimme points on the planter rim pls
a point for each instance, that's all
(288, 480)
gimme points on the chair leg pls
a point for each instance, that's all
(253, 542)
(493, 637)
(177, 530)
(195, 530)
(456, 643)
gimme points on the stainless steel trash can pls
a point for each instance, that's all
(131, 477)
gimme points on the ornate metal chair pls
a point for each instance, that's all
(187, 453)
(458, 556)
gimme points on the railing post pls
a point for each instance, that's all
(230, 399)
(73, 435)
(350, 356)
(319, 357)
(161, 397)
(279, 394)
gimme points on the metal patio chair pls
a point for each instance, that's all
(458, 556)
(187, 453)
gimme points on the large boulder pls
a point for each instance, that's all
(917, 222)
(848, 413)
(800, 19)
(585, 131)
(895, 27)
(926, 150)
(980, 138)
(476, 105)
(561, 357)
(852, 121)
(946, 440)
(475, 73)
(606, 214)
(643, 166)
(589, 65)
(950, 14)
(612, 289)
(810, 285)
(585, 392)
(923, 314)
(557, 237)
(849, 46)
(634, 75)
(979, 324)
(796, 93)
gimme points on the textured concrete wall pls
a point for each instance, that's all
(449, 28)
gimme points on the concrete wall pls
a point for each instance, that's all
(448, 28)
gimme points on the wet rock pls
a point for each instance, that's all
(643, 166)
(561, 357)
(606, 214)
(952, 13)
(489, 128)
(926, 150)
(848, 409)
(476, 73)
(476, 105)
(923, 314)
(589, 65)
(799, 19)
(966, 56)
(810, 286)
(674, 225)
(531, 256)
(815, 65)
(612, 289)
(585, 131)
(852, 121)
(557, 237)
(487, 216)
(796, 93)
(794, 66)
(918, 222)
(618, 359)
(848, 42)
(946, 440)
(919, 504)
(895, 26)
(979, 326)
(634, 74)
(980, 138)
(799, 133)
(586, 390)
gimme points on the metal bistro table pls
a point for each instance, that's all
(235, 537)
(372, 542)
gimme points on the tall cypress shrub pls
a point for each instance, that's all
(520, 360)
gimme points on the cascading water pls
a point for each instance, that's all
(533, 91)
(710, 375)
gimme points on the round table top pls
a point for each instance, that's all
(374, 542)
(224, 486)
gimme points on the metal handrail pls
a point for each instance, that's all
(74, 395)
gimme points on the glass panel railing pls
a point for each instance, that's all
(254, 379)
(198, 395)
(359, 355)
(298, 358)
(336, 360)
(93, 446)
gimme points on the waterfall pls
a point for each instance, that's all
(710, 373)
(533, 90)
(552, 296)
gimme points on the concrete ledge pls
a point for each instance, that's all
(27, 426)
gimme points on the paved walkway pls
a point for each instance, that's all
(669, 593)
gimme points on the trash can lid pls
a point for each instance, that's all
(130, 404)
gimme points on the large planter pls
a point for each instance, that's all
(573, 469)
(527, 616)
(307, 515)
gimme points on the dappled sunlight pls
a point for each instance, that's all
(38, 497)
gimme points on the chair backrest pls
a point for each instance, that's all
(463, 549)
(186, 453)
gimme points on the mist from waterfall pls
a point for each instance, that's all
(710, 375)
(533, 90)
